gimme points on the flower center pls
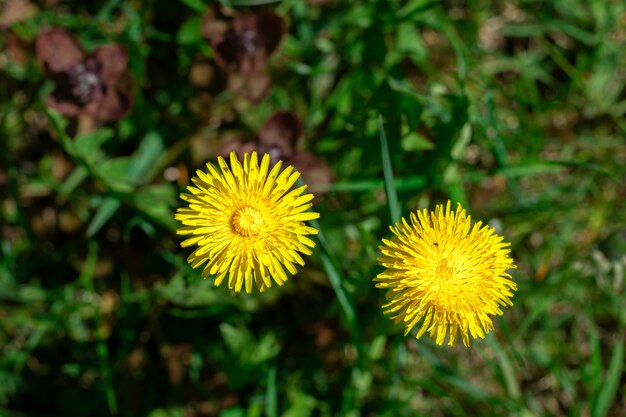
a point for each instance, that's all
(247, 221)
(445, 270)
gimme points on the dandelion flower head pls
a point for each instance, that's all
(247, 222)
(446, 273)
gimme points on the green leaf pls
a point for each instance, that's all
(73, 180)
(87, 146)
(416, 142)
(189, 32)
(247, 349)
(114, 174)
(233, 412)
(409, 41)
(105, 211)
(143, 163)
(156, 201)
(300, 403)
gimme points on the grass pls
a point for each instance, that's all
(513, 108)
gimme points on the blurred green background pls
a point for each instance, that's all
(513, 108)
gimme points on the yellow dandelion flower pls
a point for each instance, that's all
(445, 272)
(247, 222)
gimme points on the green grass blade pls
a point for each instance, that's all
(402, 184)
(390, 187)
(271, 394)
(506, 367)
(331, 266)
(611, 382)
(86, 279)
